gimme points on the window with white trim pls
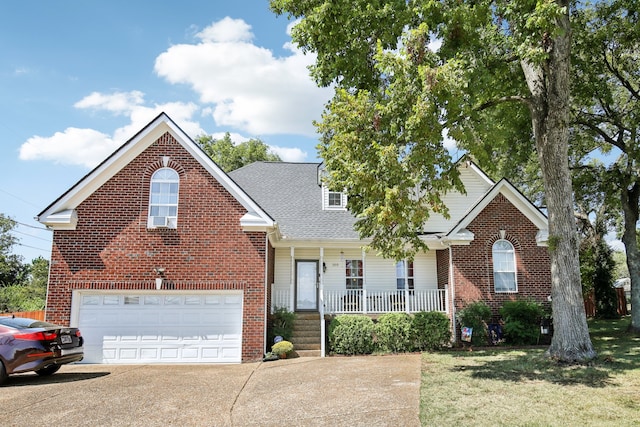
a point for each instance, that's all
(333, 200)
(163, 199)
(504, 267)
(354, 274)
(404, 275)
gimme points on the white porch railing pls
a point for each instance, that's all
(363, 301)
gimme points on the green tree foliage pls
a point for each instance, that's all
(606, 111)
(11, 269)
(500, 63)
(230, 156)
(30, 293)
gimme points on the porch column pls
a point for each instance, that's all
(453, 295)
(292, 290)
(406, 285)
(363, 303)
(321, 304)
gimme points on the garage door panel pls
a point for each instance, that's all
(161, 328)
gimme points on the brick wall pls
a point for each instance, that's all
(473, 270)
(112, 248)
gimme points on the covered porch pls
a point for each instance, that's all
(364, 301)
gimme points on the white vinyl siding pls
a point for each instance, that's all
(459, 204)
(379, 273)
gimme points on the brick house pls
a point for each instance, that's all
(159, 256)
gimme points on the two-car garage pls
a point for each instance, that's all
(159, 326)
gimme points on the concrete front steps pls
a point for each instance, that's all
(306, 334)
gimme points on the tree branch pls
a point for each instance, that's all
(515, 98)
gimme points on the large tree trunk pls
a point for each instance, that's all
(548, 83)
(629, 198)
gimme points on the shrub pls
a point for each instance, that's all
(521, 321)
(351, 334)
(476, 315)
(430, 330)
(281, 324)
(282, 347)
(393, 332)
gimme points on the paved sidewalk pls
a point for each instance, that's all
(335, 391)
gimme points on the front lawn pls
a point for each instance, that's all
(503, 387)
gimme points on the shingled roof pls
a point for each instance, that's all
(290, 194)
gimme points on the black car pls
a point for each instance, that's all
(28, 345)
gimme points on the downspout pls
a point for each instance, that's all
(292, 285)
(453, 295)
(321, 307)
(267, 309)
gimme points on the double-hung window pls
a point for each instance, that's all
(504, 267)
(163, 199)
(354, 274)
(404, 274)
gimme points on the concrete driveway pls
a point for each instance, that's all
(336, 391)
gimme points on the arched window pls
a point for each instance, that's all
(504, 267)
(163, 199)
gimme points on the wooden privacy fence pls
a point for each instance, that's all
(590, 303)
(37, 315)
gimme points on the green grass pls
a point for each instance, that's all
(516, 387)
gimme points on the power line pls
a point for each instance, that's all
(32, 226)
(31, 236)
(33, 247)
(19, 198)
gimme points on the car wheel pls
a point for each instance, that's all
(3, 374)
(49, 370)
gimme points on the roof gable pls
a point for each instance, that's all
(460, 234)
(61, 213)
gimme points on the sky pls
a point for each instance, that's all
(78, 78)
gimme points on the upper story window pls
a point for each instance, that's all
(163, 199)
(504, 267)
(354, 274)
(333, 200)
(404, 274)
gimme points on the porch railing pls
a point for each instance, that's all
(372, 302)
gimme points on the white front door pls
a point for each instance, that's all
(306, 285)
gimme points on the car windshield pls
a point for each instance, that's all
(23, 323)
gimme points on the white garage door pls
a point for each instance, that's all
(160, 327)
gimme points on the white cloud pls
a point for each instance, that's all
(249, 88)
(289, 154)
(84, 147)
(118, 102)
(88, 147)
(242, 86)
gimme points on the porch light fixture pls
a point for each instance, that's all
(324, 267)
(159, 272)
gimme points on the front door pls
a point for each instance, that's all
(306, 285)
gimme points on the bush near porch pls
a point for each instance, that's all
(351, 334)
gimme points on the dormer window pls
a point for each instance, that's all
(163, 199)
(333, 200)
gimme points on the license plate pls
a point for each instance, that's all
(65, 339)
